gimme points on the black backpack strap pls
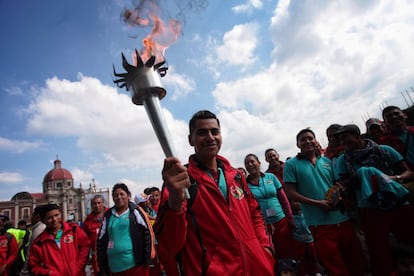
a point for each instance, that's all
(193, 194)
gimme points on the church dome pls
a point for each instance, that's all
(22, 196)
(57, 173)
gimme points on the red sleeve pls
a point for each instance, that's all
(284, 202)
(84, 244)
(12, 251)
(35, 260)
(172, 230)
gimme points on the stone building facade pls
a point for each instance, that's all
(58, 187)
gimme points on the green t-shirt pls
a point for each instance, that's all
(313, 181)
(266, 195)
(120, 252)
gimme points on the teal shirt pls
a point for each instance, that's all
(408, 140)
(365, 177)
(266, 194)
(120, 252)
(313, 181)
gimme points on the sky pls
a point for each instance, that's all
(266, 68)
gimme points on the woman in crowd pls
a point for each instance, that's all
(126, 240)
(274, 205)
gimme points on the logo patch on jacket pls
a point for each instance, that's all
(68, 239)
(3, 243)
(237, 192)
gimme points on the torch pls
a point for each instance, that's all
(147, 90)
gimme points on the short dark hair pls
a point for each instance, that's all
(334, 127)
(201, 115)
(388, 109)
(44, 209)
(251, 155)
(22, 222)
(304, 131)
(150, 190)
(270, 149)
(120, 186)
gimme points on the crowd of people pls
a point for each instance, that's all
(343, 210)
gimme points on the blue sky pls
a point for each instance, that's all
(267, 68)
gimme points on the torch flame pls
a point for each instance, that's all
(161, 36)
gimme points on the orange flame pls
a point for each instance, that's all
(161, 36)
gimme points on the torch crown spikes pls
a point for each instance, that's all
(144, 78)
(147, 90)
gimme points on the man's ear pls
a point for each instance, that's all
(405, 115)
(190, 141)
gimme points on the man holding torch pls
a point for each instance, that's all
(219, 229)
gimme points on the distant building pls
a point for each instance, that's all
(58, 187)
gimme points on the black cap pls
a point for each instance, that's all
(351, 129)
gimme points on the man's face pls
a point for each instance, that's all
(155, 198)
(376, 131)
(97, 205)
(35, 218)
(22, 227)
(306, 142)
(206, 138)
(53, 219)
(332, 139)
(395, 119)
(272, 157)
(351, 141)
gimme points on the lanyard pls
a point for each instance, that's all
(220, 181)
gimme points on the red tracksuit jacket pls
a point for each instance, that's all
(232, 233)
(68, 260)
(8, 250)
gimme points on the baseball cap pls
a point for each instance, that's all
(351, 128)
(141, 198)
(373, 121)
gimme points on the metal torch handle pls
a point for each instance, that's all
(153, 108)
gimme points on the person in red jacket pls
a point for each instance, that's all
(62, 249)
(275, 164)
(8, 248)
(400, 136)
(223, 231)
(91, 226)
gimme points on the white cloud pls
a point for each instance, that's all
(16, 146)
(332, 62)
(236, 48)
(239, 45)
(81, 176)
(181, 85)
(102, 121)
(11, 177)
(248, 7)
(14, 91)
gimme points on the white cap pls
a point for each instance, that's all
(140, 198)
